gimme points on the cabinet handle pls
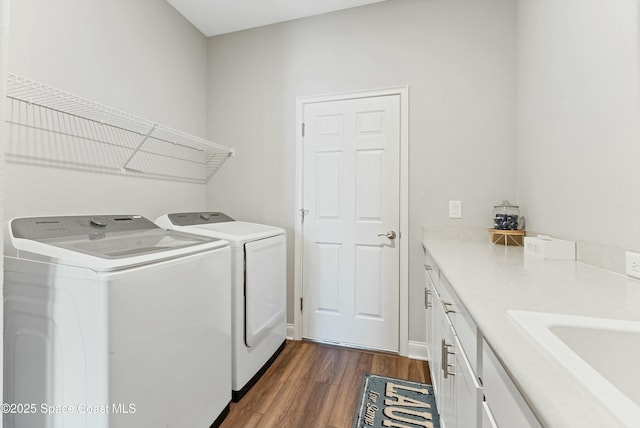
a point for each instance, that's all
(443, 357)
(428, 267)
(427, 303)
(445, 360)
(446, 308)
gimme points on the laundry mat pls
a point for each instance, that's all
(388, 402)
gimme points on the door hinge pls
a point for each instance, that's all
(303, 129)
(301, 304)
(303, 213)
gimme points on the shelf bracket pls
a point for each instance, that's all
(145, 138)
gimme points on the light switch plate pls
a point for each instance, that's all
(455, 209)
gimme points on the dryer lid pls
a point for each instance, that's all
(219, 225)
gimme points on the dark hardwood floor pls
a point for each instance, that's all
(312, 385)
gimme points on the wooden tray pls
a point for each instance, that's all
(507, 237)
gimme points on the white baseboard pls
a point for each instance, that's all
(418, 350)
(290, 331)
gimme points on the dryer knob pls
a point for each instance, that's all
(205, 216)
(98, 221)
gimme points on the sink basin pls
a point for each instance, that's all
(601, 353)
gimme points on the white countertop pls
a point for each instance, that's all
(490, 279)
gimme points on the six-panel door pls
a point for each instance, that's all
(351, 194)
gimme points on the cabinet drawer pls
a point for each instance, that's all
(430, 266)
(507, 405)
(463, 324)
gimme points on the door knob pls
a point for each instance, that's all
(390, 234)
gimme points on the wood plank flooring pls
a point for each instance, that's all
(311, 385)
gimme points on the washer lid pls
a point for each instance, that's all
(102, 243)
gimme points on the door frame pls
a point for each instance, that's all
(403, 92)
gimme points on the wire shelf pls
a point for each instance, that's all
(54, 128)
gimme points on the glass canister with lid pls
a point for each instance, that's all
(506, 216)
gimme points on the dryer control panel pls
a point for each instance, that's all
(193, 219)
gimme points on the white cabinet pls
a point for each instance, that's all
(443, 371)
(487, 417)
(472, 387)
(451, 335)
(459, 393)
(468, 392)
(503, 401)
(428, 306)
(433, 326)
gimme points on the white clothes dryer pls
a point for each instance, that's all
(259, 287)
(113, 322)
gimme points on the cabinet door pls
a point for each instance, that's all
(446, 372)
(507, 405)
(487, 417)
(468, 391)
(428, 304)
(435, 343)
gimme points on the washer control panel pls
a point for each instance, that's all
(39, 228)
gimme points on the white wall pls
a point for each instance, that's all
(4, 51)
(458, 58)
(578, 119)
(138, 56)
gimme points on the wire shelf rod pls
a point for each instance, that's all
(108, 143)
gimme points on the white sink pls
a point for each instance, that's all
(602, 353)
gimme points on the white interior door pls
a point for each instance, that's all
(351, 194)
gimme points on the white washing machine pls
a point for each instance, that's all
(113, 322)
(259, 288)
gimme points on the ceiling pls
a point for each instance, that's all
(214, 17)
